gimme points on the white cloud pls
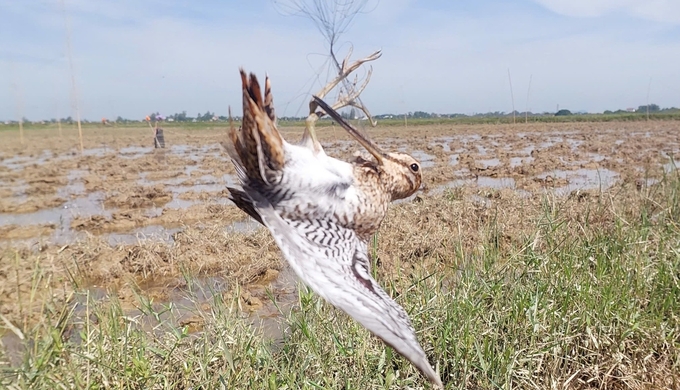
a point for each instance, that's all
(657, 10)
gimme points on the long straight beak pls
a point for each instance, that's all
(365, 142)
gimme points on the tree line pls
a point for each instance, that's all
(353, 114)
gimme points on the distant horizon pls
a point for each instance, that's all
(132, 58)
(629, 110)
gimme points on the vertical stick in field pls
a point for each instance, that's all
(649, 86)
(17, 95)
(73, 76)
(21, 130)
(526, 109)
(512, 96)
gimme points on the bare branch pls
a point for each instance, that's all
(351, 99)
(346, 60)
(346, 71)
(352, 96)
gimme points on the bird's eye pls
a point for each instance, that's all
(415, 167)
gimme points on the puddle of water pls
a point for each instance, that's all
(84, 206)
(518, 161)
(153, 212)
(75, 185)
(207, 179)
(156, 233)
(61, 216)
(583, 179)
(426, 160)
(80, 204)
(466, 138)
(230, 180)
(101, 151)
(489, 163)
(135, 150)
(199, 153)
(481, 182)
(595, 157)
(190, 168)
(270, 318)
(19, 190)
(453, 159)
(495, 182)
(187, 301)
(552, 141)
(17, 163)
(177, 204)
(444, 142)
(527, 150)
(463, 172)
(671, 165)
(173, 181)
(574, 143)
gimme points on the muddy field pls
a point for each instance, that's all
(124, 217)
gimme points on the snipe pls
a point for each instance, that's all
(322, 211)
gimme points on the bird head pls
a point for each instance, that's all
(403, 174)
(400, 172)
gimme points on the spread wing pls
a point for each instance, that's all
(334, 262)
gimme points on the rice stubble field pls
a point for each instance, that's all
(535, 256)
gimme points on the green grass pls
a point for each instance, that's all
(471, 120)
(397, 121)
(580, 300)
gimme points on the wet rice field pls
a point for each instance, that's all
(125, 194)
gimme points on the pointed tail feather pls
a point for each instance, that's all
(269, 100)
(258, 143)
(243, 202)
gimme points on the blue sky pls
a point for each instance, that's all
(131, 57)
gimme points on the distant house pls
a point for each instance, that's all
(630, 109)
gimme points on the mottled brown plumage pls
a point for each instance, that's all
(322, 211)
(258, 144)
(391, 177)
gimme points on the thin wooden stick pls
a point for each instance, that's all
(526, 109)
(73, 76)
(649, 86)
(512, 95)
(20, 104)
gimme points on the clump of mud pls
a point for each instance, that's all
(30, 205)
(139, 197)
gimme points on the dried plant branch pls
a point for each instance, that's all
(346, 71)
(352, 94)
